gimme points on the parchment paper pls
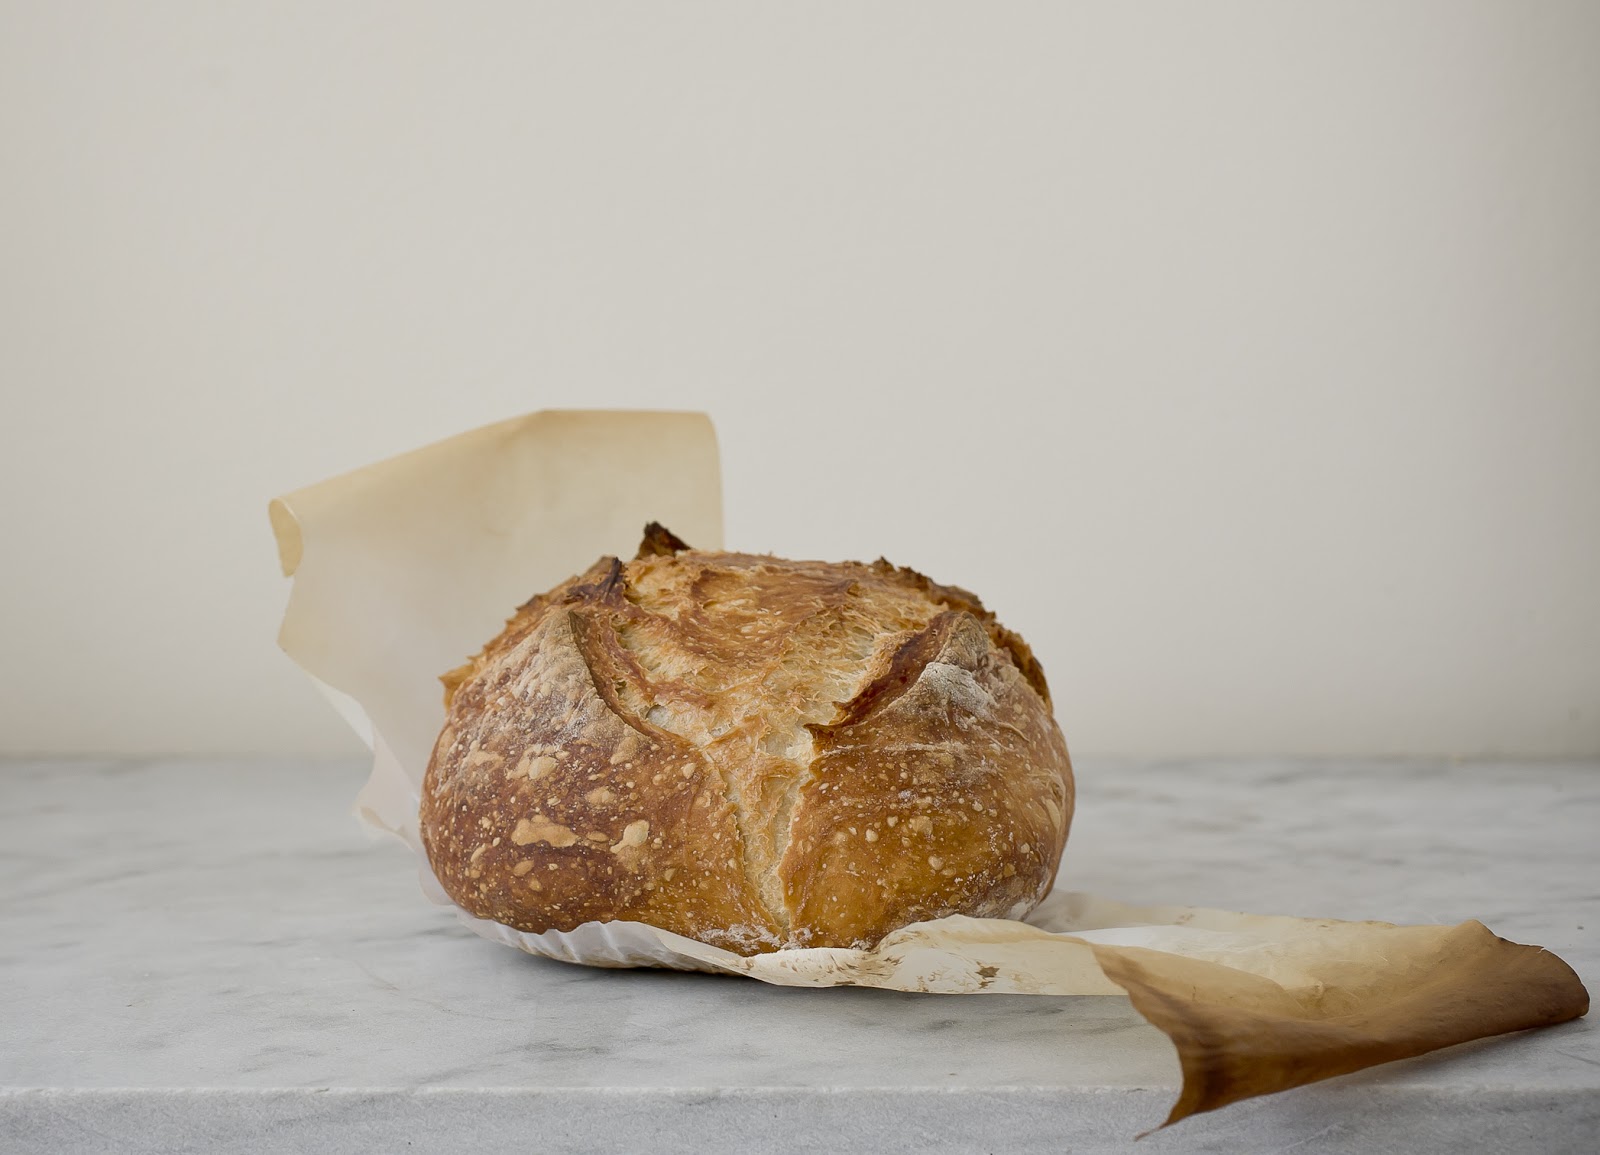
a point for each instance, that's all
(404, 568)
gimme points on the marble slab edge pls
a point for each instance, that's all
(1337, 1120)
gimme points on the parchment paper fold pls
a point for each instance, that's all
(403, 568)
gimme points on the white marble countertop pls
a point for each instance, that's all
(200, 956)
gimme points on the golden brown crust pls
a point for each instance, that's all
(752, 752)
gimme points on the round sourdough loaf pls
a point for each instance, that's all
(752, 752)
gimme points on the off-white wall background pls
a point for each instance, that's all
(1245, 356)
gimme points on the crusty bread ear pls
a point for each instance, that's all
(752, 752)
(659, 541)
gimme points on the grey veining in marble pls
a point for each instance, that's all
(197, 955)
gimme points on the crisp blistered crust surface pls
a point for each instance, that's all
(752, 752)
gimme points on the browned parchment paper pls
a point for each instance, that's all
(405, 567)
